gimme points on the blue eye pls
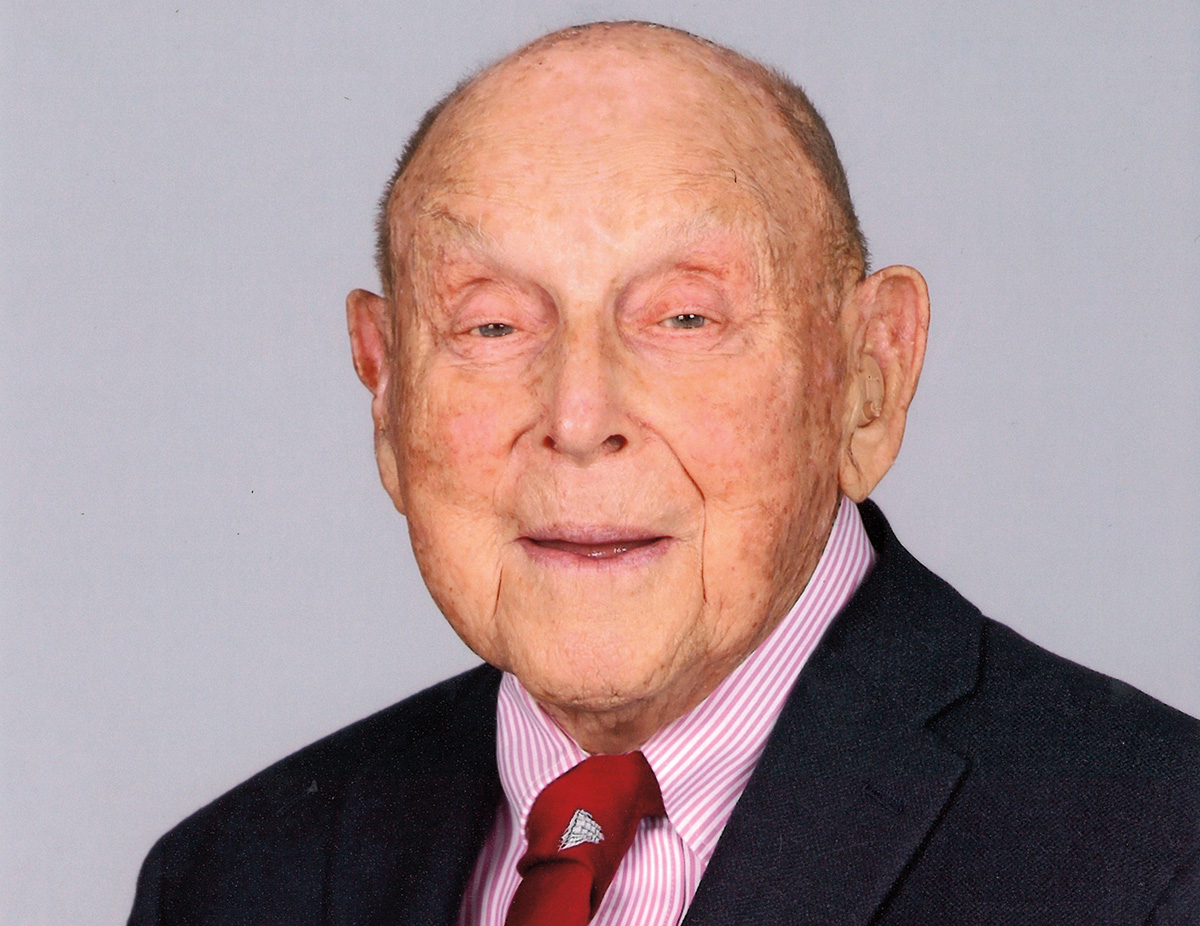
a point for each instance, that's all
(495, 330)
(685, 320)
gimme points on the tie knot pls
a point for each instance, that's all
(578, 831)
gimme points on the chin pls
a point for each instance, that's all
(580, 696)
(600, 679)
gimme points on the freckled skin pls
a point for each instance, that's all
(581, 202)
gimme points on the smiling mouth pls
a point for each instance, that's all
(605, 550)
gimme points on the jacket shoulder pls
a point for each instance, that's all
(1086, 789)
(317, 772)
(1022, 703)
(279, 827)
(1080, 799)
(1037, 707)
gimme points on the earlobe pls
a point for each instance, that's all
(887, 319)
(389, 471)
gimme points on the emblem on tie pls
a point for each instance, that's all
(582, 828)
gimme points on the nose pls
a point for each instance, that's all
(586, 417)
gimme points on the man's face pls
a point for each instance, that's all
(615, 424)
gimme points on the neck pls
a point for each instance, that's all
(620, 730)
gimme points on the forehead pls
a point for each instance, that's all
(628, 136)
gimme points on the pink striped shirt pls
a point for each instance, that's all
(703, 760)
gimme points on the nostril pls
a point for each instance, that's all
(610, 444)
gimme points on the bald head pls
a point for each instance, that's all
(615, 81)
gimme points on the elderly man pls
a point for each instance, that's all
(629, 377)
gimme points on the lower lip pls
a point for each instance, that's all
(595, 556)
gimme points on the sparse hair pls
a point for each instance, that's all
(848, 255)
(383, 224)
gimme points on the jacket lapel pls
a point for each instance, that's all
(414, 821)
(852, 779)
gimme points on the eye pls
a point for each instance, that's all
(494, 330)
(684, 320)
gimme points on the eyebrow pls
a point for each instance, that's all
(455, 227)
(458, 228)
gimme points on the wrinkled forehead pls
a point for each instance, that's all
(655, 123)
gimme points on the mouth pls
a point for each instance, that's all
(595, 550)
(593, 546)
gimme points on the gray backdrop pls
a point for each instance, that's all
(199, 572)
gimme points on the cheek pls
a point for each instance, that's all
(457, 438)
(761, 448)
(742, 434)
(458, 435)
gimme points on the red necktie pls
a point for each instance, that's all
(579, 829)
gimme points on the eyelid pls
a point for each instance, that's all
(689, 297)
(480, 304)
(479, 329)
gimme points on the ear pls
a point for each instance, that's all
(885, 322)
(370, 343)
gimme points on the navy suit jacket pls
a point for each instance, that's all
(929, 767)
